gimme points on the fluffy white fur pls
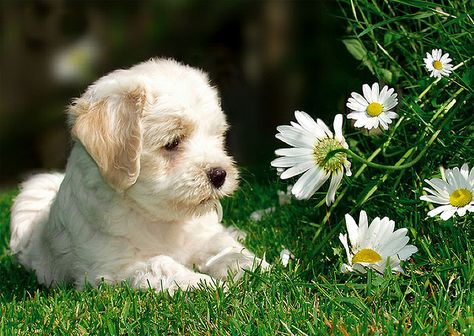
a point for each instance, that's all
(136, 202)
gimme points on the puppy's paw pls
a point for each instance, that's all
(234, 262)
(195, 281)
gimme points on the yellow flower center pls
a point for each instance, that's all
(460, 197)
(321, 150)
(437, 65)
(374, 109)
(366, 255)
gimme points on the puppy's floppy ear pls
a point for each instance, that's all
(110, 129)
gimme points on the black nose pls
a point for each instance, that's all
(216, 176)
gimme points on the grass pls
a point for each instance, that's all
(311, 296)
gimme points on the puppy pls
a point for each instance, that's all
(139, 199)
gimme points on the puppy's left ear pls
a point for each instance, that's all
(110, 130)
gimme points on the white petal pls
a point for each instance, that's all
(324, 127)
(352, 230)
(356, 115)
(338, 127)
(343, 239)
(465, 171)
(392, 115)
(355, 105)
(383, 95)
(335, 181)
(315, 183)
(392, 247)
(297, 169)
(375, 92)
(372, 233)
(383, 124)
(440, 186)
(462, 211)
(434, 199)
(347, 166)
(363, 225)
(290, 161)
(471, 176)
(447, 214)
(305, 182)
(294, 151)
(296, 131)
(386, 230)
(407, 251)
(367, 93)
(346, 268)
(372, 123)
(359, 268)
(440, 209)
(308, 123)
(390, 103)
(296, 138)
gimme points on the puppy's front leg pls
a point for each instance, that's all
(164, 273)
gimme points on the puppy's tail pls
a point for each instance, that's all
(31, 207)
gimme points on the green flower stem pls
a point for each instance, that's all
(445, 108)
(381, 166)
(392, 132)
(420, 96)
(384, 178)
(398, 165)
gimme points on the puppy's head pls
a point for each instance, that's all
(156, 132)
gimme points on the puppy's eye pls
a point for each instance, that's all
(173, 145)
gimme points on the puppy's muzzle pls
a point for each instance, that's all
(216, 177)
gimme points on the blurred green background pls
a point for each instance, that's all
(267, 58)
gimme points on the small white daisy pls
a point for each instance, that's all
(312, 141)
(374, 108)
(285, 256)
(375, 245)
(75, 63)
(284, 197)
(455, 192)
(437, 63)
(257, 215)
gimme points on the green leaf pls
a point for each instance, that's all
(356, 48)
(387, 75)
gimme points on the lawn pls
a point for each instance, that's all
(309, 296)
(433, 132)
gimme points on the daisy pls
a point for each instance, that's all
(312, 141)
(374, 108)
(375, 246)
(438, 64)
(285, 256)
(455, 193)
(76, 63)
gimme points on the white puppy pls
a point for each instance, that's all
(139, 196)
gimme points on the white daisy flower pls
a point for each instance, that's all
(437, 63)
(455, 192)
(374, 108)
(312, 141)
(375, 246)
